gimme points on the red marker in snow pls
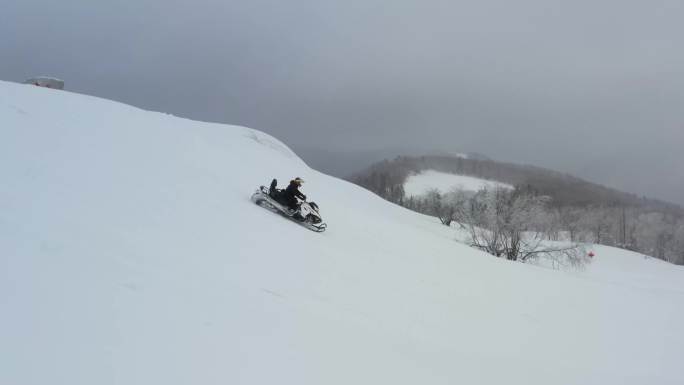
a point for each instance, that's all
(591, 254)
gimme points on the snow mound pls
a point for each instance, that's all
(421, 183)
(131, 254)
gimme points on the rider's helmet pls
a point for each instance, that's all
(299, 181)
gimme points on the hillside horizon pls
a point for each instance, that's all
(346, 164)
(514, 173)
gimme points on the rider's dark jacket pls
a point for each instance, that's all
(291, 194)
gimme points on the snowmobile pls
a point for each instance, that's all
(307, 213)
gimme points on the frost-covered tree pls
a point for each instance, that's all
(678, 243)
(511, 224)
(570, 221)
(433, 202)
(596, 223)
(456, 202)
(652, 234)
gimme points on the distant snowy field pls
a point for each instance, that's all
(421, 183)
(131, 254)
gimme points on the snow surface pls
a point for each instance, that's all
(421, 183)
(131, 254)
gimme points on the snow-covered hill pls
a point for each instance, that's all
(421, 183)
(131, 254)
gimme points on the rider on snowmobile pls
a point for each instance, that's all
(291, 193)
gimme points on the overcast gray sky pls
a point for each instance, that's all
(593, 87)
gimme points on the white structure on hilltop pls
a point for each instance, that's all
(46, 81)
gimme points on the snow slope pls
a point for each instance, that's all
(421, 183)
(131, 254)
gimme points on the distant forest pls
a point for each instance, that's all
(587, 211)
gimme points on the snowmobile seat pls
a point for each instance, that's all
(274, 193)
